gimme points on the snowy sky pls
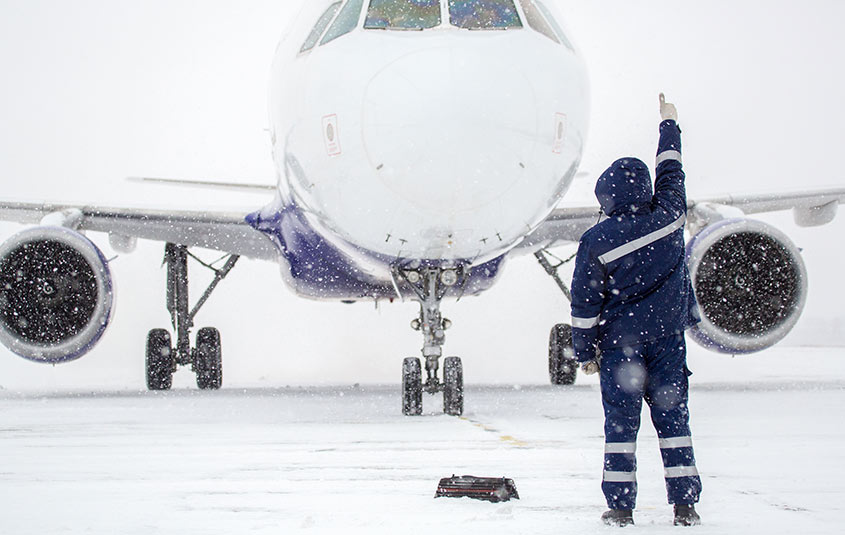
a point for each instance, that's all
(96, 90)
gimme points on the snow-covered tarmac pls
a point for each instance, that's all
(343, 460)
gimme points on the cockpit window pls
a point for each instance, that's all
(402, 15)
(536, 21)
(484, 14)
(561, 35)
(320, 27)
(345, 22)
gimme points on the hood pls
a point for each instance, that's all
(625, 184)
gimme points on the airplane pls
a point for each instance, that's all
(414, 175)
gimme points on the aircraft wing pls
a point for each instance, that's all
(811, 208)
(221, 231)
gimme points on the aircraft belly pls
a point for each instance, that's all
(319, 265)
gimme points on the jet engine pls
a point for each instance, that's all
(55, 294)
(750, 282)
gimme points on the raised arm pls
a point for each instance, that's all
(669, 190)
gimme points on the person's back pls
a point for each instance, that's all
(631, 302)
(639, 252)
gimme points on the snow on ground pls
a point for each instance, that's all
(768, 437)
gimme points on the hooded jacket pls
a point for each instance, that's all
(631, 282)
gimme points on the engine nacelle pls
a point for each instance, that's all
(750, 282)
(55, 294)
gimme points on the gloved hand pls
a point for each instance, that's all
(591, 367)
(667, 110)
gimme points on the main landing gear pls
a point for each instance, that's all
(206, 356)
(563, 368)
(430, 285)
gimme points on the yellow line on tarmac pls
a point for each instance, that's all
(508, 439)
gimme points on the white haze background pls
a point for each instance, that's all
(92, 91)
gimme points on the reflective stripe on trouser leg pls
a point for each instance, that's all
(675, 442)
(620, 447)
(619, 477)
(667, 396)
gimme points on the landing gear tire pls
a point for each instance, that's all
(563, 368)
(208, 359)
(453, 386)
(161, 361)
(412, 390)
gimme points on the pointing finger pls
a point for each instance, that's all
(662, 99)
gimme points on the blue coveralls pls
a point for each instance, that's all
(632, 300)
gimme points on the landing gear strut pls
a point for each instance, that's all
(430, 285)
(206, 357)
(563, 368)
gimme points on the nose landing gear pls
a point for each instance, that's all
(430, 286)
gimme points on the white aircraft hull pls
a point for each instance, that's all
(444, 144)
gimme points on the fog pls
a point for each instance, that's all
(93, 91)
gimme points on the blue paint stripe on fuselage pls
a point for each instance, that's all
(319, 269)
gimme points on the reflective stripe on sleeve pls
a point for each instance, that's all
(620, 447)
(619, 477)
(639, 243)
(675, 442)
(680, 471)
(585, 323)
(667, 155)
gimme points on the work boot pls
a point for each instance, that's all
(618, 517)
(685, 515)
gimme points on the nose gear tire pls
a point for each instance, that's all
(453, 386)
(412, 387)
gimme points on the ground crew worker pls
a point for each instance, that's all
(631, 302)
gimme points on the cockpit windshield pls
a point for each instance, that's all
(402, 15)
(484, 14)
(345, 22)
(557, 29)
(320, 27)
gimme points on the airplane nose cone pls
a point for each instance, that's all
(450, 129)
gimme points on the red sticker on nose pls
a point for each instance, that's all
(559, 133)
(331, 135)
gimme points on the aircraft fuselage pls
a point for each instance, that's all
(444, 146)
